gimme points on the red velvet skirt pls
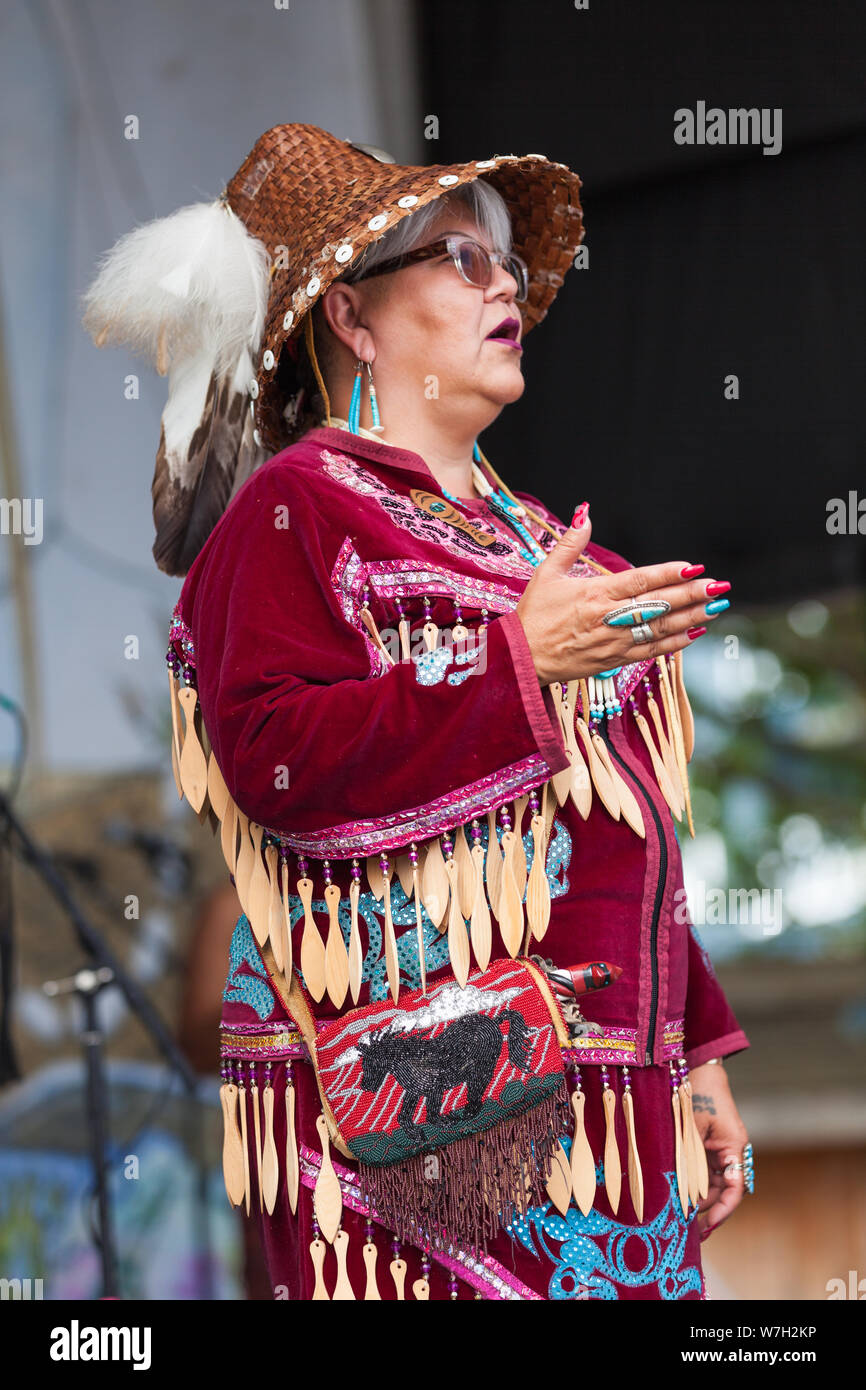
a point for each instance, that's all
(544, 1255)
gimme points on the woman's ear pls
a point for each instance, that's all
(342, 307)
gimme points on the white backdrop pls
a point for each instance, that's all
(204, 78)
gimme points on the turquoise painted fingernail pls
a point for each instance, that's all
(717, 606)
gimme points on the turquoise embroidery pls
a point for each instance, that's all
(252, 990)
(257, 993)
(590, 1259)
(430, 667)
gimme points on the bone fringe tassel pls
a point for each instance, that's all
(257, 1131)
(343, 1291)
(582, 1161)
(458, 940)
(293, 1170)
(270, 1161)
(635, 1172)
(679, 1164)
(510, 903)
(318, 1250)
(242, 1102)
(612, 1160)
(371, 1292)
(233, 1162)
(480, 931)
(369, 623)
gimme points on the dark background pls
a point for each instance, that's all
(704, 261)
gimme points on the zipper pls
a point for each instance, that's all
(660, 891)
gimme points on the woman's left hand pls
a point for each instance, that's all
(724, 1137)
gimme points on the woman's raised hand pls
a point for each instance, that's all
(562, 616)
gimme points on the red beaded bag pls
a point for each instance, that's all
(452, 1101)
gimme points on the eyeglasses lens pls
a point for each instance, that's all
(476, 266)
(515, 267)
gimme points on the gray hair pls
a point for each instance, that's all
(481, 200)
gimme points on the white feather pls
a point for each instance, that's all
(181, 286)
(187, 392)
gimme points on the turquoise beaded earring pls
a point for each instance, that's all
(376, 427)
(354, 419)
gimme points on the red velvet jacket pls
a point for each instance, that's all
(320, 740)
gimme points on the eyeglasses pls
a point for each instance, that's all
(473, 261)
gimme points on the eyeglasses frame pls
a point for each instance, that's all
(446, 246)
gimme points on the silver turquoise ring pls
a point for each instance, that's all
(637, 612)
(745, 1165)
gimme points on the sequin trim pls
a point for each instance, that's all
(399, 578)
(348, 578)
(276, 1042)
(607, 1044)
(180, 635)
(421, 823)
(485, 1274)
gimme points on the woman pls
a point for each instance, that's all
(445, 737)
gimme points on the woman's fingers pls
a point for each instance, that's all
(643, 580)
(648, 651)
(670, 633)
(686, 593)
(661, 582)
(640, 651)
(681, 619)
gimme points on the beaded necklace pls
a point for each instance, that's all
(504, 508)
(604, 699)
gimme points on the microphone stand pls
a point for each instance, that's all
(86, 983)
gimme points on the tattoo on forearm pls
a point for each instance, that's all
(703, 1103)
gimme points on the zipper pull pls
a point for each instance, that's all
(648, 1058)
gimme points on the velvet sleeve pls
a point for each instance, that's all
(711, 1029)
(312, 742)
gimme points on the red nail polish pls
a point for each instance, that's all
(580, 515)
(718, 586)
(694, 632)
(691, 571)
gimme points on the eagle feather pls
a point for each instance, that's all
(189, 292)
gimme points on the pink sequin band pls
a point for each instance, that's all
(380, 833)
(608, 1045)
(271, 1042)
(485, 1274)
(393, 579)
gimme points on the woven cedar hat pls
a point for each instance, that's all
(317, 202)
(215, 292)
